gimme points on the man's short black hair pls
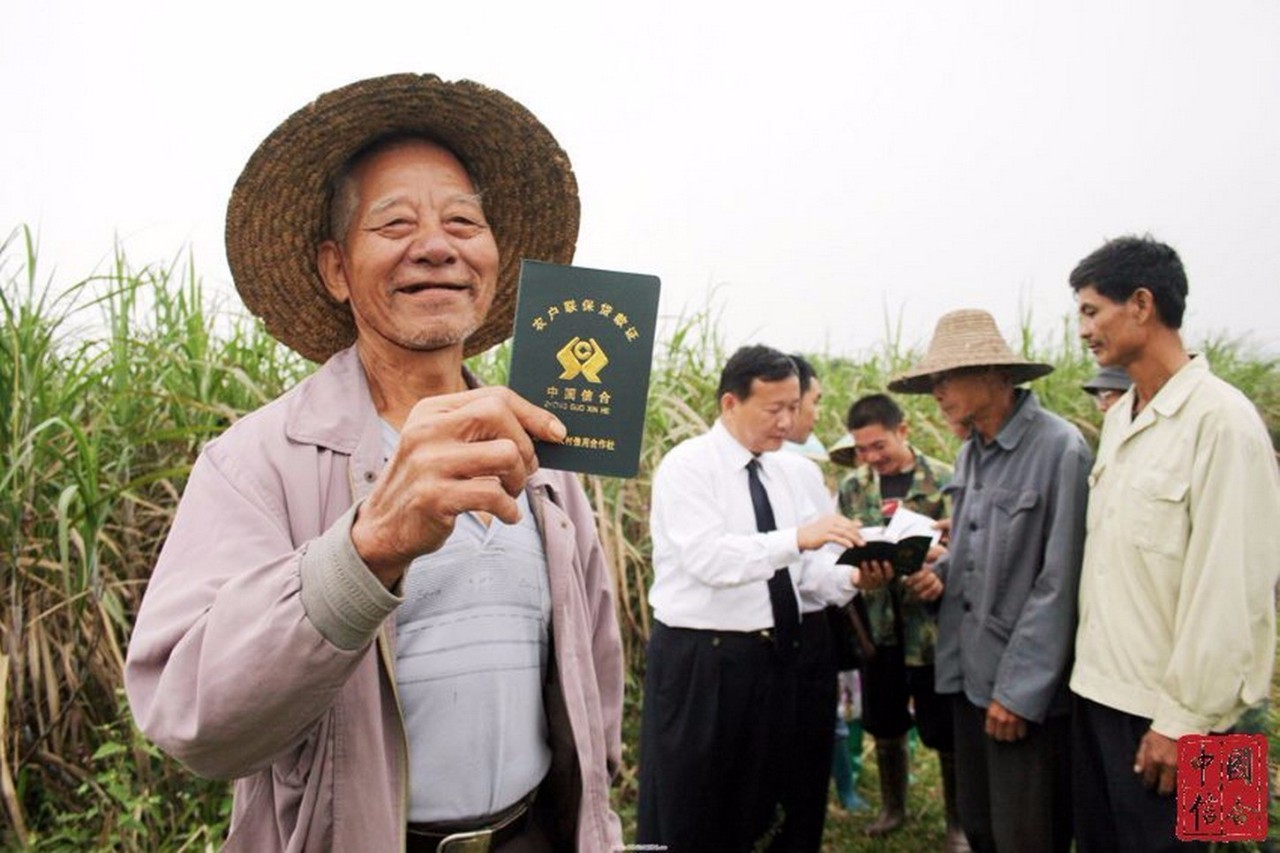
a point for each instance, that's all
(805, 371)
(874, 409)
(751, 363)
(1125, 264)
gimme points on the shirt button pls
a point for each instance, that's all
(973, 525)
(967, 607)
(369, 476)
(977, 487)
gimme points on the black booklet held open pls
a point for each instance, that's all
(904, 543)
(906, 555)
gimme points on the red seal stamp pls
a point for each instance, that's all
(1222, 788)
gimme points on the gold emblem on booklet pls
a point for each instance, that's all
(585, 357)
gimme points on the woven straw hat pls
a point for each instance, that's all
(279, 210)
(966, 338)
(843, 452)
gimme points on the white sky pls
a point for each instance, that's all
(826, 165)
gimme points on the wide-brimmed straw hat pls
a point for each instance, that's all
(966, 339)
(279, 210)
(843, 452)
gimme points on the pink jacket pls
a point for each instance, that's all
(263, 651)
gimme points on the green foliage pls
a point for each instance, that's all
(126, 801)
(107, 391)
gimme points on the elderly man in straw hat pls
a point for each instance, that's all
(374, 611)
(1007, 618)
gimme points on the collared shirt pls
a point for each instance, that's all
(807, 477)
(811, 448)
(1007, 619)
(711, 566)
(1182, 559)
(860, 498)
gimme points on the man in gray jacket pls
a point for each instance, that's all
(1007, 619)
(373, 610)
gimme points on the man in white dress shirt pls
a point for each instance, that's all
(805, 797)
(733, 541)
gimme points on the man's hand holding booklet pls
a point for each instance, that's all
(904, 543)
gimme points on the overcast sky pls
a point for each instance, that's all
(824, 165)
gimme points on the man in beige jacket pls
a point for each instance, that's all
(1177, 596)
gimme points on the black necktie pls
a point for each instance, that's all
(782, 596)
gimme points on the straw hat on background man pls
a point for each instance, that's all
(963, 340)
(843, 452)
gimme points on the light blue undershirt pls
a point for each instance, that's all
(471, 655)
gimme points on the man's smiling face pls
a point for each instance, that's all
(418, 263)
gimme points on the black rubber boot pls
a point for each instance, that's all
(891, 756)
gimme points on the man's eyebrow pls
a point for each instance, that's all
(391, 201)
(382, 205)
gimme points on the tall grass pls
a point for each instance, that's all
(107, 391)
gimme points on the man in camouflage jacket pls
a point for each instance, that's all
(901, 624)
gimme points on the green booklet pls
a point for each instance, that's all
(582, 348)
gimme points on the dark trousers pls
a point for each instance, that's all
(890, 689)
(804, 798)
(716, 724)
(1013, 797)
(1113, 809)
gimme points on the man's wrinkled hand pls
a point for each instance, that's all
(466, 452)
(924, 585)
(1003, 724)
(829, 529)
(1157, 761)
(873, 575)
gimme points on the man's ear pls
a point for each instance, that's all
(332, 270)
(1143, 304)
(728, 401)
